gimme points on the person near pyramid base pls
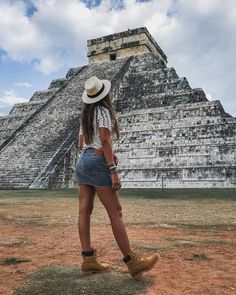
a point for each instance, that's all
(96, 171)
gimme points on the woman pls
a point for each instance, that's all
(96, 173)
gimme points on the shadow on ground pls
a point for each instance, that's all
(68, 280)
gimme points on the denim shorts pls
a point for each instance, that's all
(92, 169)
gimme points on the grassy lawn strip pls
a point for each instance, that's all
(13, 241)
(189, 210)
(61, 279)
(182, 194)
(13, 260)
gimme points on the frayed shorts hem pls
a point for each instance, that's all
(109, 186)
(92, 169)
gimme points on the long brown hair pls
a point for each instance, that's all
(87, 118)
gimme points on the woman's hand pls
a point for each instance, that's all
(115, 181)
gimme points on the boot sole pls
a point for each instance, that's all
(139, 275)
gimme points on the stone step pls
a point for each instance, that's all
(42, 96)
(155, 141)
(168, 121)
(25, 109)
(139, 87)
(11, 121)
(72, 72)
(139, 101)
(147, 62)
(151, 79)
(57, 83)
(50, 128)
(197, 109)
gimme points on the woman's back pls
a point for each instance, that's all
(102, 119)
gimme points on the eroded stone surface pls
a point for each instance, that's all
(123, 44)
(171, 135)
(40, 141)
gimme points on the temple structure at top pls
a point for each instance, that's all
(123, 44)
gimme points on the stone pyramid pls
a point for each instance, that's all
(171, 135)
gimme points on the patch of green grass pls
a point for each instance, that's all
(141, 223)
(68, 280)
(157, 193)
(198, 257)
(3, 216)
(25, 220)
(217, 242)
(181, 194)
(164, 246)
(13, 260)
(5, 204)
(33, 222)
(205, 227)
(13, 241)
(190, 242)
(182, 242)
(151, 249)
(39, 193)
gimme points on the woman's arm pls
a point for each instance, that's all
(105, 137)
(81, 141)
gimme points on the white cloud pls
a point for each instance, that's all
(23, 84)
(209, 96)
(19, 36)
(9, 98)
(56, 34)
(198, 37)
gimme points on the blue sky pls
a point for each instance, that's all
(41, 40)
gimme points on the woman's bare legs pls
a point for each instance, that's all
(110, 201)
(86, 201)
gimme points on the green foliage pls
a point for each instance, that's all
(13, 260)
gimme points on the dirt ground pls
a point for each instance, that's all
(179, 271)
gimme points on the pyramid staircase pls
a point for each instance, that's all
(171, 135)
(21, 111)
(40, 145)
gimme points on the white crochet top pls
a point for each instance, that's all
(103, 121)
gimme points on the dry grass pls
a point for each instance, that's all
(59, 209)
(13, 241)
(44, 210)
(68, 280)
(13, 260)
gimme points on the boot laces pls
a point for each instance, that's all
(136, 258)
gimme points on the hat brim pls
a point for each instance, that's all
(89, 100)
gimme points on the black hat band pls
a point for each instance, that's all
(98, 93)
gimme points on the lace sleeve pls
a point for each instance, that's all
(104, 118)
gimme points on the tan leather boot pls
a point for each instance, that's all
(138, 265)
(91, 265)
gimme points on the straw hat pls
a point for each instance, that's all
(95, 90)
